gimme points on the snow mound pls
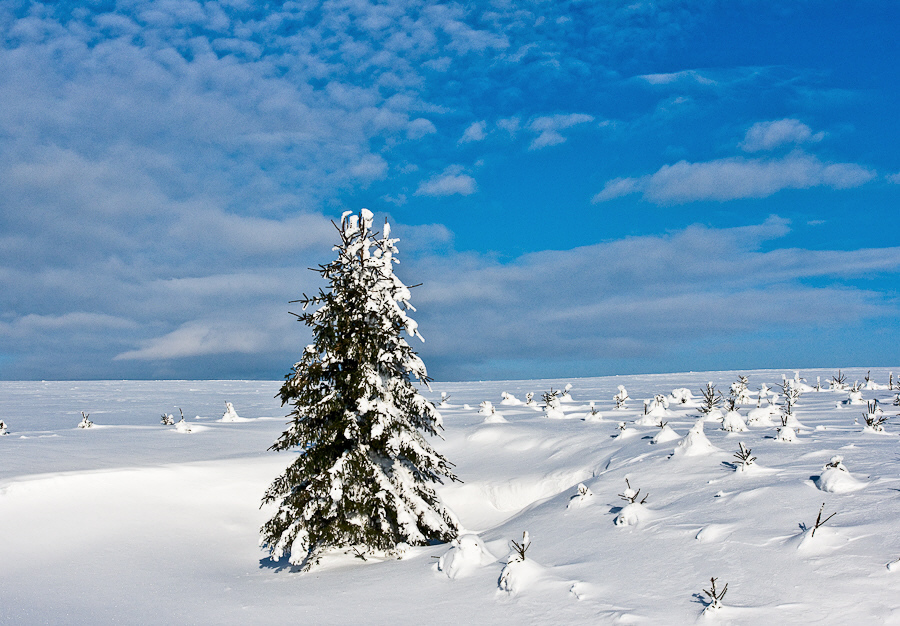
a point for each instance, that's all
(786, 434)
(231, 415)
(518, 575)
(507, 399)
(762, 416)
(695, 443)
(665, 434)
(682, 396)
(733, 422)
(593, 415)
(835, 478)
(466, 555)
(631, 515)
(492, 416)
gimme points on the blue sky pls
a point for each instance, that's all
(583, 188)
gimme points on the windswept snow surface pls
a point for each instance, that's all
(132, 522)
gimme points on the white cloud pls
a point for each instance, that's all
(893, 178)
(736, 177)
(419, 128)
(769, 135)
(475, 132)
(448, 183)
(510, 124)
(370, 167)
(677, 77)
(198, 339)
(661, 296)
(548, 128)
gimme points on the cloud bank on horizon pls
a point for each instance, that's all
(583, 188)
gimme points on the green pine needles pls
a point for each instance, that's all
(362, 479)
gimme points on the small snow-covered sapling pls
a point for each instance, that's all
(166, 419)
(521, 548)
(3, 428)
(529, 398)
(743, 455)
(790, 388)
(594, 410)
(715, 595)
(631, 496)
(874, 417)
(763, 393)
(838, 381)
(621, 397)
(711, 398)
(897, 400)
(819, 521)
(85, 422)
(551, 398)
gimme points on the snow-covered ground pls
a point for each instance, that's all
(133, 521)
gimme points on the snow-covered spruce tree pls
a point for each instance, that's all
(361, 481)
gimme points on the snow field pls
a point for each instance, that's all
(130, 521)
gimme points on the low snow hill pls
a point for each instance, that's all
(133, 520)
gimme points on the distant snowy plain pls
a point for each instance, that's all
(132, 521)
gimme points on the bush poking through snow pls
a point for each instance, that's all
(621, 397)
(839, 382)
(711, 399)
(565, 397)
(819, 521)
(745, 459)
(715, 596)
(444, 397)
(166, 419)
(552, 406)
(182, 426)
(230, 414)
(631, 513)
(593, 415)
(507, 399)
(519, 549)
(529, 399)
(630, 495)
(518, 573)
(3, 428)
(874, 417)
(682, 395)
(85, 422)
(582, 496)
(491, 415)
